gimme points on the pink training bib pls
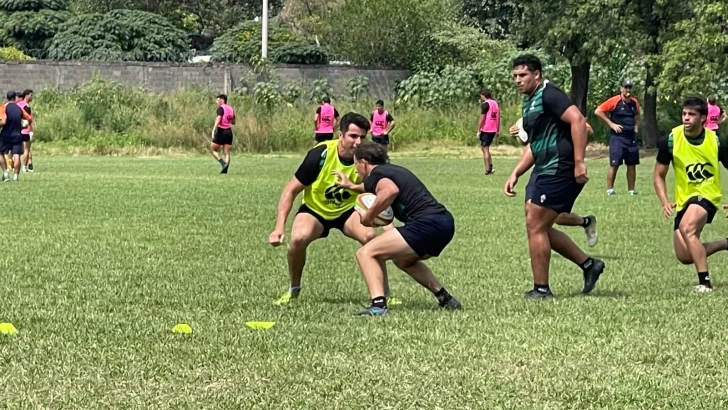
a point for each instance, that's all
(228, 116)
(492, 117)
(22, 104)
(713, 116)
(326, 119)
(379, 123)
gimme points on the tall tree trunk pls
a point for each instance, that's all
(580, 85)
(649, 116)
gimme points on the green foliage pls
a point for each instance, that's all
(299, 53)
(458, 44)
(497, 18)
(388, 34)
(291, 92)
(320, 88)
(357, 87)
(30, 25)
(244, 41)
(12, 53)
(108, 104)
(127, 35)
(33, 5)
(685, 71)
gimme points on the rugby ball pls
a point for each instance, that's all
(522, 135)
(364, 201)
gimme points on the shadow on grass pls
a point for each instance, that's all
(612, 294)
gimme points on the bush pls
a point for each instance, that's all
(12, 53)
(128, 35)
(293, 53)
(30, 25)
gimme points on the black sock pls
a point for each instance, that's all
(380, 302)
(442, 295)
(541, 288)
(704, 278)
(588, 263)
(586, 222)
(221, 161)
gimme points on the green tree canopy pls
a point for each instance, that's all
(29, 25)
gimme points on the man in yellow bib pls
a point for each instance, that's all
(326, 205)
(694, 152)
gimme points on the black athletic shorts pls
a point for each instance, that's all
(623, 151)
(223, 136)
(323, 137)
(26, 137)
(337, 223)
(430, 234)
(554, 192)
(486, 138)
(381, 139)
(14, 146)
(701, 202)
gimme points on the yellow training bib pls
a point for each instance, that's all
(697, 171)
(325, 197)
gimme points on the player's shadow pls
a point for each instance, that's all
(610, 294)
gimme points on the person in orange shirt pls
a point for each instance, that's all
(624, 118)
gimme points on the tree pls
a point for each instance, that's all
(385, 33)
(215, 16)
(582, 31)
(129, 35)
(29, 25)
(497, 18)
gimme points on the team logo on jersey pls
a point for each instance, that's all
(698, 173)
(336, 195)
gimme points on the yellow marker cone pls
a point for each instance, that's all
(7, 329)
(182, 328)
(260, 325)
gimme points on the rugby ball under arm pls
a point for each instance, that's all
(364, 202)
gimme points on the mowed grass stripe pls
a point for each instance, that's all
(102, 256)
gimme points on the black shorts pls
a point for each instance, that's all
(430, 234)
(26, 137)
(14, 146)
(486, 138)
(555, 192)
(323, 137)
(623, 151)
(337, 223)
(223, 136)
(701, 202)
(381, 139)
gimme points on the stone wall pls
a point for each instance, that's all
(161, 77)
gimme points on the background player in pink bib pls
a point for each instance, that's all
(325, 121)
(222, 132)
(382, 124)
(27, 133)
(488, 127)
(716, 115)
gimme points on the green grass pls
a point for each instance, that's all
(102, 256)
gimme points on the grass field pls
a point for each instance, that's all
(102, 256)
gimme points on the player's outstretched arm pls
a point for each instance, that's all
(344, 182)
(289, 194)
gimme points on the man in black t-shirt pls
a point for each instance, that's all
(428, 226)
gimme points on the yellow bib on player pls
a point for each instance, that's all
(325, 197)
(697, 171)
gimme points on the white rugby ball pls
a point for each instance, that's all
(365, 200)
(522, 134)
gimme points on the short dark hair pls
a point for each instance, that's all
(356, 119)
(20, 94)
(532, 62)
(696, 103)
(372, 153)
(11, 95)
(223, 97)
(486, 93)
(327, 100)
(379, 102)
(27, 92)
(711, 99)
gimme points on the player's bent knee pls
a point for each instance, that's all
(299, 240)
(684, 259)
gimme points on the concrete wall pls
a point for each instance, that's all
(161, 77)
